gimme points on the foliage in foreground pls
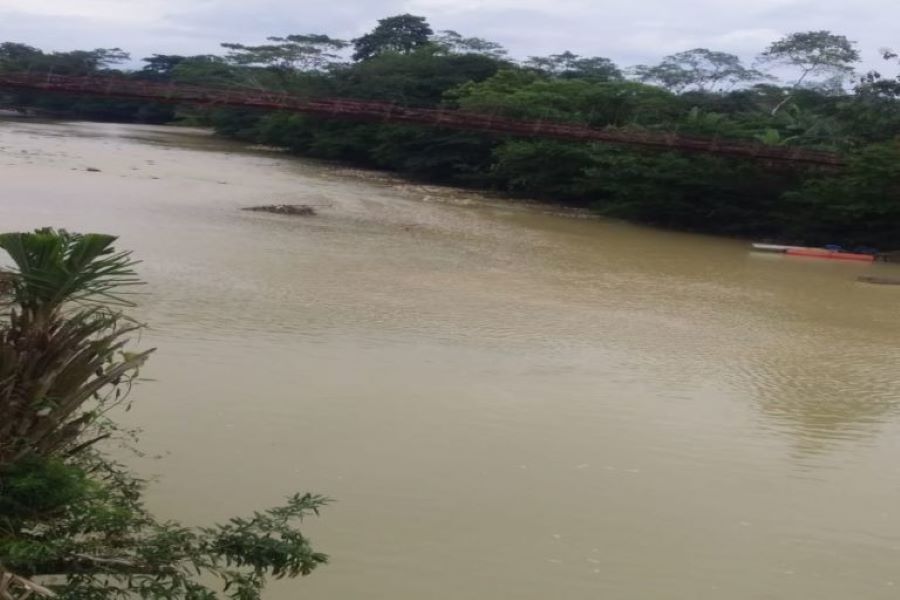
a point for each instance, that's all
(85, 521)
(69, 515)
(62, 369)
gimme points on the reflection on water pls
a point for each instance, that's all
(831, 394)
(506, 403)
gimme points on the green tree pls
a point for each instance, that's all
(595, 68)
(206, 69)
(85, 62)
(568, 65)
(527, 95)
(454, 43)
(160, 66)
(700, 69)
(858, 206)
(874, 83)
(311, 52)
(873, 112)
(420, 78)
(402, 34)
(555, 64)
(553, 170)
(59, 370)
(812, 53)
(65, 508)
(19, 57)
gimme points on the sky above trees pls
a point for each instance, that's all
(628, 32)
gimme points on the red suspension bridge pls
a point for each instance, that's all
(436, 117)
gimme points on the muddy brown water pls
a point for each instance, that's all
(506, 403)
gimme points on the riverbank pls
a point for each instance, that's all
(429, 191)
(702, 194)
(666, 190)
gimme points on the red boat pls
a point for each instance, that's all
(832, 254)
(814, 252)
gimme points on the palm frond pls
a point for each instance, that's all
(54, 267)
(63, 358)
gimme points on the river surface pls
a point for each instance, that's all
(505, 402)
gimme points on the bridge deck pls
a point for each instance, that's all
(381, 111)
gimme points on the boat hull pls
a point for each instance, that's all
(829, 254)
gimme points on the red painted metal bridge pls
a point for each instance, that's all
(382, 111)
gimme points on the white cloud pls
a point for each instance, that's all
(474, 6)
(134, 11)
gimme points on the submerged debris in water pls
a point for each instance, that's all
(879, 280)
(301, 210)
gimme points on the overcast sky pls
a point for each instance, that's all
(628, 31)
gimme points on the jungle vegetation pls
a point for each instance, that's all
(803, 90)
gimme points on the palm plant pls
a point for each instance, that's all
(62, 354)
(66, 509)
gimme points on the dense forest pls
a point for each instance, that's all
(804, 90)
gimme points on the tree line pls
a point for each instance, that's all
(802, 90)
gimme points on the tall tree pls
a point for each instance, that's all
(402, 34)
(568, 65)
(310, 52)
(812, 53)
(14, 56)
(874, 83)
(454, 43)
(19, 57)
(161, 66)
(596, 68)
(700, 69)
(86, 62)
(205, 69)
(555, 64)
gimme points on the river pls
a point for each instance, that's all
(504, 402)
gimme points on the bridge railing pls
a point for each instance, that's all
(383, 111)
